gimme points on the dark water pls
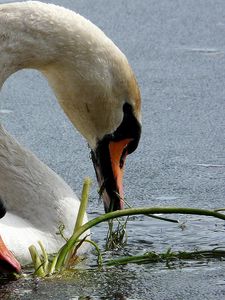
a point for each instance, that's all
(177, 51)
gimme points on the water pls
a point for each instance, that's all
(177, 51)
(201, 279)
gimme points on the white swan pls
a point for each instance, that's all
(97, 90)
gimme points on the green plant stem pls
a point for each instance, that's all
(153, 257)
(219, 209)
(53, 264)
(152, 216)
(130, 211)
(162, 219)
(45, 256)
(81, 213)
(99, 260)
(83, 204)
(38, 266)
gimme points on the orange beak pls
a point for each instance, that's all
(8, 263)
(118, 153)
(109, 159)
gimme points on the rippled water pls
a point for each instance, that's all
(156, 280)
(177, 51)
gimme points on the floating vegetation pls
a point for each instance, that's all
(67, 257)
(169, 256)
(116, 238)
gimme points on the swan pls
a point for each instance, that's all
(96, 88)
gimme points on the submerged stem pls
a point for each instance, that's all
(152, 257)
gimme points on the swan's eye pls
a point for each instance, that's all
(123, 157)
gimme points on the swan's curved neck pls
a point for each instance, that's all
(87, 72)
(23, 44)
(15, 55)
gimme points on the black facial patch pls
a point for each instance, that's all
(129, 128)
(103, 169)
(2, 208)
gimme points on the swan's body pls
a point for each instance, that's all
(38, 201)
(96, 88)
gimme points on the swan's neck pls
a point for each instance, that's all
(22, 44)
(81, 64)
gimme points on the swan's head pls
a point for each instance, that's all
(104, 105)
(118, 120)
(109, 157)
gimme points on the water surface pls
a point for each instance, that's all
(176, 49)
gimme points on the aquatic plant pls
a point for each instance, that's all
(66, 256)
